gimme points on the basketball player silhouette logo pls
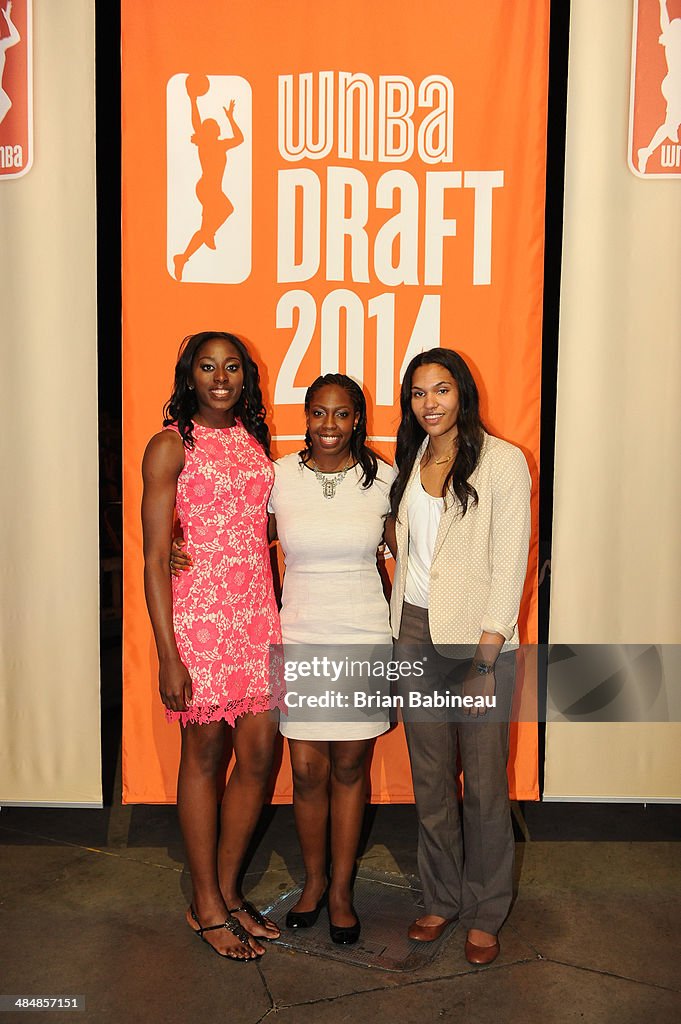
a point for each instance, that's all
(212, 147)
(5, 42)
(655, 113)
(670, 39)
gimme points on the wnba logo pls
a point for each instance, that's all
(209, 122)
(16, 117)
(655, 106)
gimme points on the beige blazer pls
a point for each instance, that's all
(480, 560)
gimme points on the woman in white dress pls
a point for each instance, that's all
(329, 505)
(330, 502)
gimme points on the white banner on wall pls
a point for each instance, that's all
(616, 541)
(49, 616)
(16, 88)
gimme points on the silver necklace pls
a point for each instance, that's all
(330, 481)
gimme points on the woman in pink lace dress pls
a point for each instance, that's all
(210, 467)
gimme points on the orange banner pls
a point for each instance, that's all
(370, 184)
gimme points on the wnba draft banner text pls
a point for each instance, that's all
(323, 217)
(329, 223)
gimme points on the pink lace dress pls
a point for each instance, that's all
(224, 610)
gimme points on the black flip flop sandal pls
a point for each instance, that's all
(253, 912)
(232, 925)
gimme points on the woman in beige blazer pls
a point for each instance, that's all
(460, 506)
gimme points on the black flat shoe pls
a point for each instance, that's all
(305, 918)
(344, 936)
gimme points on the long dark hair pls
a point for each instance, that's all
(182, 404)
(470, 431)
(359, 450)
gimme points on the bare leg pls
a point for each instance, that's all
(212, 226)
(202, 749)
(668, 130)
(204, 236)
(311, 771)
(253, 737)
(348, 796)
(5, 105)
(195, 243)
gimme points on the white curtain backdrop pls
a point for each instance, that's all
(616, 537)
(49, 616)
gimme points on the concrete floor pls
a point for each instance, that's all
(92, 903)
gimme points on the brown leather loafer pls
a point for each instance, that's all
(481, 954)
(428, 932)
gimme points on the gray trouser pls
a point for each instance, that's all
(469, 874)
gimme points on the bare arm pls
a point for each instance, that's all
(664, 16)
(238, 134)
(13, 36)
(389, 536)
(196, 117)
(162, 464)
(475, 685)
(181, 561)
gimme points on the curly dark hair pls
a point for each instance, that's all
(359, 449)
(410, 434)
(182, 404)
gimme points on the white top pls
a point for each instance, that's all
(332, 592)
(424, 512)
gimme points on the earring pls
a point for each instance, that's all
(190, 386)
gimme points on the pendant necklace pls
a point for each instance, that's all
(440, 462)
(330, 481)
